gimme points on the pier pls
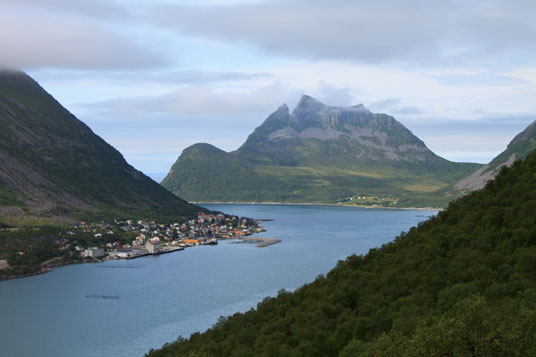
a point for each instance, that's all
(260, 242)
(137, 252)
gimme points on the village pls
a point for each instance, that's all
(151, 238)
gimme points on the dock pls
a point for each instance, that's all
(260, 242)
(140, 252)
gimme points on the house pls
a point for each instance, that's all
(152, 247)
(94, 252)
(119, 255)
(206, 217)
(138, 241)
(191, 241)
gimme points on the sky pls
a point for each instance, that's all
(152, 78)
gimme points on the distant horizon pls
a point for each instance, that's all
(153, 79)
(158, 176)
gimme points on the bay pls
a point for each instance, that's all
(159, 298)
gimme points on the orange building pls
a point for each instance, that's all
(237, 232)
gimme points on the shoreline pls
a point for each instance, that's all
(48, 269)
(314, 204)
(4, 278)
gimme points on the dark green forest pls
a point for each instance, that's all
(462, 283)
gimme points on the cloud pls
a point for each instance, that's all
(477, 140)
(389, 31)
(334, 96)
(97, 9)
(163, 145)
(494, 125)
(478, 79)
(39, 37)
(523, 74)
(164, 75)
(197, 101)
(139, 78)
(204, 76)
(126, 34)
(395, 106)
(204, 101)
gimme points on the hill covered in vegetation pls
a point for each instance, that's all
(52, 166)
(462, 283)
(321, 154)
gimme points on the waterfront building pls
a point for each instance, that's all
(151, 247)
(94, 252)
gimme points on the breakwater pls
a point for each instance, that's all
(259, 242)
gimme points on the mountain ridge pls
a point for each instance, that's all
(317, 154)
(312, 119)
(54, 166)
(518, 148)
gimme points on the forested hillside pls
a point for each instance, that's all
(460, 284)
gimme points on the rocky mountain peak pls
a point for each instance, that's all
(316, 151)
(283, 108)
(527, 134)
(310, 110)
(359, 108)
(308, 104)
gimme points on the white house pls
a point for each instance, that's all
(151, 247)
(94, 252)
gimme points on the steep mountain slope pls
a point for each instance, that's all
(518, 148)
(317, 153)
(460, 284)
(357, 135)
(205, 168)
(53, 165)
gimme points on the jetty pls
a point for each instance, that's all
(259, 242)
(137, 252)
(113, 297)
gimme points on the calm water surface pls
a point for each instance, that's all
(176, 294)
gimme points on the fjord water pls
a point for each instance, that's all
(176, 294)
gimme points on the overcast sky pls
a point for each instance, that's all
(152, 78)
